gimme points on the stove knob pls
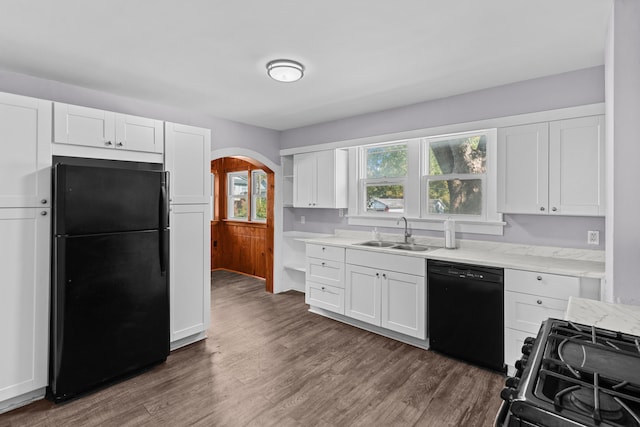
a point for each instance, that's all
(529, 340)
(522, 363)
(526, 349)
(508, 394)
(512, 382)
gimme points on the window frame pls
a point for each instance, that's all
(257, 194)
(425, 177)
(232, 197)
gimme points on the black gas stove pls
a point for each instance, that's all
(574, 375)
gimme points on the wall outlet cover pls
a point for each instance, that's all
(593, 237)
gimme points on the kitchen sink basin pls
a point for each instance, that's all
(377, 244)
(411, 247)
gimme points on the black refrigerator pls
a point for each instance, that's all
(110, 279)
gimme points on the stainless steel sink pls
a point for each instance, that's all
(377, 244)
(411, 247)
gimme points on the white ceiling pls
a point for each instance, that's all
(360, 55)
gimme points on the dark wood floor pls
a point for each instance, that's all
(269, 362)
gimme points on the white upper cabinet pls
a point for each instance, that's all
(320, 179)
(91, 127)
(554, 168)
(139, 133)
(576, 166)
(25, 135)
(187, 158)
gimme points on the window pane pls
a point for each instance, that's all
(462, 155)
(385, 198)
(260, 209)
(387, 162)
(455, 196)
(238, 183)
(259, 182)
(238, 207)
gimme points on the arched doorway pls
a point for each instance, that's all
(242, 229)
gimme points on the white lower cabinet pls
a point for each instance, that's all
(530, 298)
(24, 305)
(379, 291)
(325, 277)
(190, 273)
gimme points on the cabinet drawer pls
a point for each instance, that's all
(543, 284)
(526, 312)
(325, 296)
(331, 253)
(324, 271)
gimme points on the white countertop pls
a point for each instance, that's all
(570, 262)
(616, 317)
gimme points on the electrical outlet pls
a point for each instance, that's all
(302, 219)
(593, 237)
(340, 212)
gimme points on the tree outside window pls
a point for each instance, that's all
(384, 178)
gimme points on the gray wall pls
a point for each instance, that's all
(563, 90)
(224, 133)
(559, 91)
(623, 129)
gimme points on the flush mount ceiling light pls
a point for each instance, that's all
(285, 70)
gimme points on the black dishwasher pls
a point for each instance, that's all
(465, 310)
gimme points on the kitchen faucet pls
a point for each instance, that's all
(407, 234)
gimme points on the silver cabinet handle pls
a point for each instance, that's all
(554, 209)
(542, 208)
(119, 144)
(539, 278)
(43, 201)
(539, 301)
(43, 213)
(108, 143)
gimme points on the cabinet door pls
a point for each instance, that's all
(362, 294)
(187, 158)
(304, 180)
(576, 166)
(404, 304)
(325, 179)
(24, 305)
(190, 270)
(523, 169)
(25, 140)
(139, 133)
(73, 124)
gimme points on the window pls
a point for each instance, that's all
(383, 178)
(237, 199)
(454, 180)
(258, 195)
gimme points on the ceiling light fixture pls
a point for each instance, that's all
(285, 70)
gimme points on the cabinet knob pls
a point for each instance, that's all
(119, 144)
(554, 209)
(539, 278)
(43, 213)
(108, 143)
(43, 201)
(323, 248)
(322, 264)
(384, 275)
(322, 288)
(377, 274)
(542, 208)
(539, 302)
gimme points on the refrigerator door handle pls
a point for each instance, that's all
(163, 244)
(164, 210)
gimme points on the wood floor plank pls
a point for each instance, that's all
(267, 361)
